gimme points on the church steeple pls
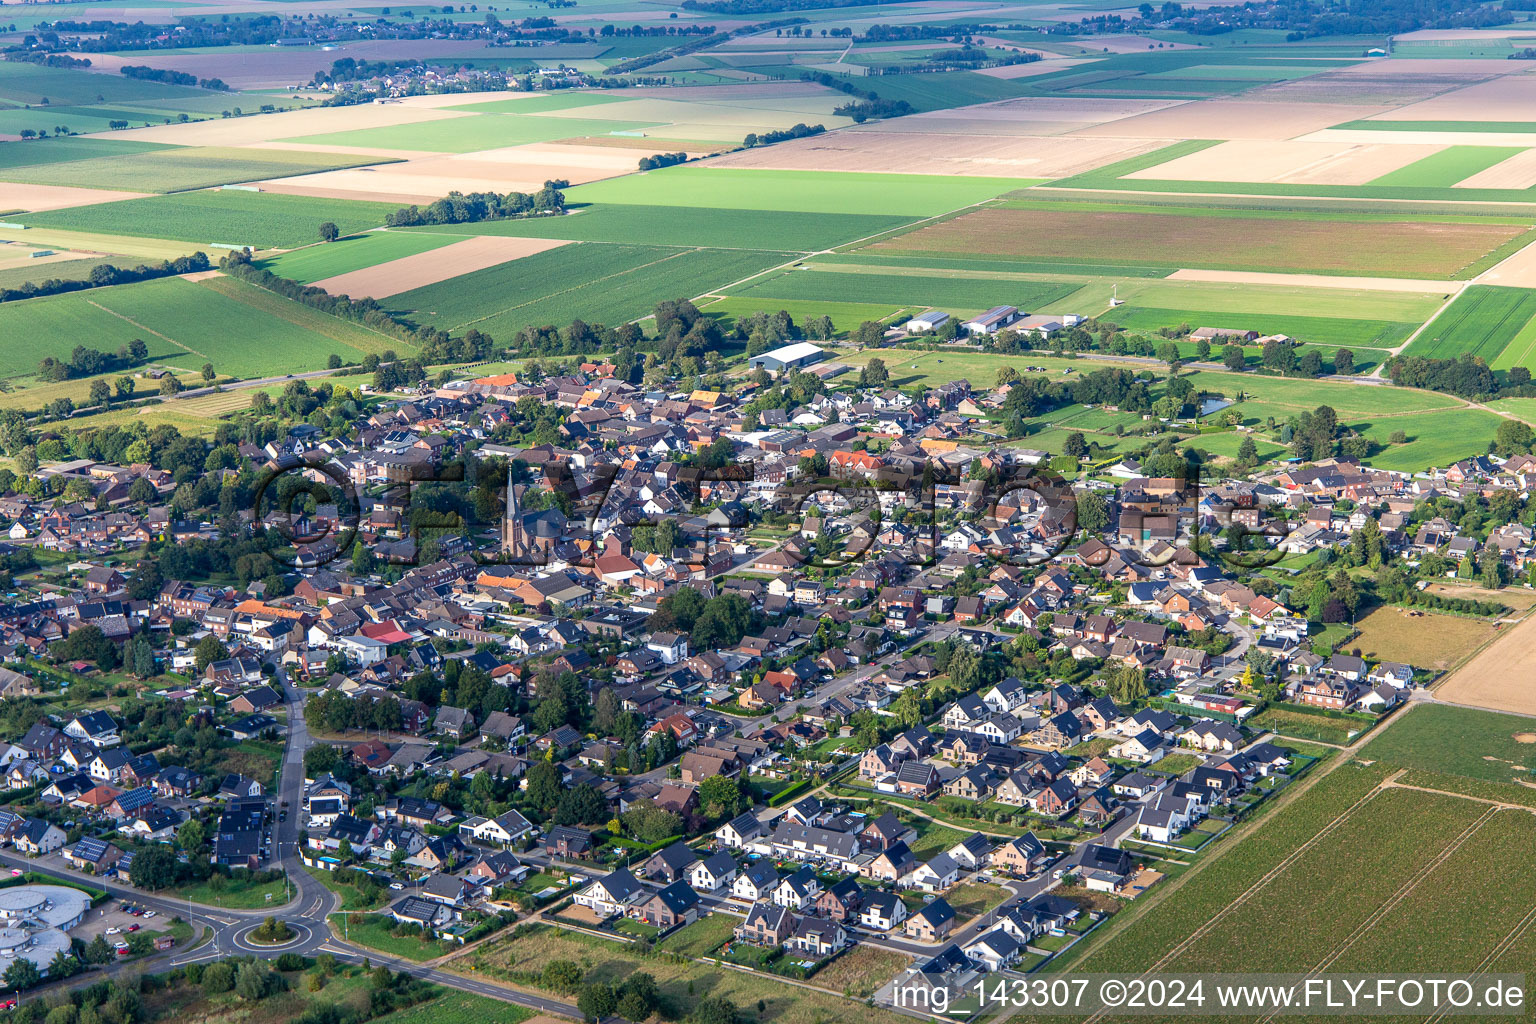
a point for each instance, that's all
(512, 525)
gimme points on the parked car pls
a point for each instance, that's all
(114, 931)
(133, 927)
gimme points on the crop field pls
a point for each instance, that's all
(36, 85)
(68, 150)
(598, 283)
(1484, 321)
(472, 134)
(1448, 166)
(184, 167)
(1356, 879)
(355, 252)
(231, 217)
(687, 225)
(1136, 940)
(957, 294)
(1423, 249)
(912, 195)
(1117, 177)
(242, 330)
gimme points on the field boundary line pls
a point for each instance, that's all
(1387, 906)
(1264, 880)
(1422, 327)
(149, 330)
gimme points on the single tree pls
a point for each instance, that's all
(328, 232)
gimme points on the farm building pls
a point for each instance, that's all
(1045, 325)
(994, 319)
(1223, 334)
(926, 322)
(801, 353)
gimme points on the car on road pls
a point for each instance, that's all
(114, 931)
(282, 815)
(15, 872)
(397, 885)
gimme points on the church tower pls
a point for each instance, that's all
(512, 541)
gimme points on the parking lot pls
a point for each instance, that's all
(113, 915)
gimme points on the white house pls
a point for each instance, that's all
(937, 875)
(714, 873)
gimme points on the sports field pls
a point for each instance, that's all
(1484, 321)
(1302, 243)
(223, 216)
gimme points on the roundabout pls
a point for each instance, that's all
(298, 935)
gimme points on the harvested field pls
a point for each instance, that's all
(426, 268)
(1502, 676)
(1044, 67)
(1507, 98)
(1391, 249)
(427, 178)
(1375, 284)
(1389, 83)
(17, 257)
(1425, 640)
(1317, 163)
(56, 197)
(1234, 119)
(1063, 109)
(1519, 271)
(248, 131)
(1518, 171)
(979, 155)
